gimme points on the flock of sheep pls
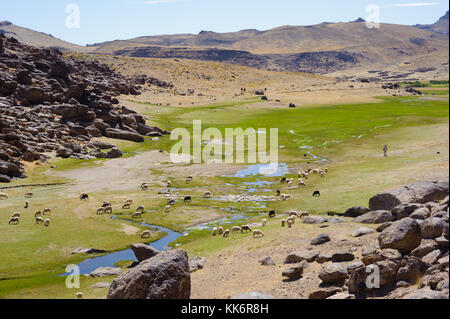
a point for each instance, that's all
(38, 216)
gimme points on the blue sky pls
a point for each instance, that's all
(102, 20)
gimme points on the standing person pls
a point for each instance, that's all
(385, 150)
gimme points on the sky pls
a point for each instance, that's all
(105, 20)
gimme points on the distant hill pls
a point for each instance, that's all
(440, 27)
(37, 39)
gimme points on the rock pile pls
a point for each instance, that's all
(53, 103)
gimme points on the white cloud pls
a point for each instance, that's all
(164, 1)
(414, 4)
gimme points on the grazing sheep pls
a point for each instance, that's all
(171, 202)
(169, 184)
(207, 195)
(285, 196)
(140, 209)
(316, 194)
(272, 214)
(145, 234)
(84, 196)
(188, 199)
(15, 215)
(144, 186)
(283, 222)
(108, 210)
(126, 206)
(167, 209)
(106, 204)
(129, 201)
(189, 179)
(27, 204)
(292, 219)
(214, 231)
(245, 228)
(315, 171)
(290, 181)
(325, 170)
(258, 233)
(38, 214)
(39, 220)
(294, 213)
(283, 180)
(322, 174)
(305, 176)
(220, 230)
(301, 182)
(235, 229)
(47, 222)
(290, 222)
(264, 222)
(79, 295)
(100, 211)
(304, 215)
(226, 233)
(14, 221)
(29, 195)
(47, 211)
(136, 215)
(3, 196)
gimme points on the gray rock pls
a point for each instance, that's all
(356, 211)
(323, 258)
(404, 210)
(297, 257)
(101, 285)
(320, 239)
(313, 220)
(404, 235)
(384, 226)
(362, 231)
(196, 263)
(426, 247)
(324, 293)
(425, 294)
(267, 262)
(375, 217)
(342, 257)
(164, 276)
(295, 272)
(421, 213)
(88, 251)
(432, 227)
(333, 273)
(432, 257)
(143, 252)
(342, 296)
(105, 272)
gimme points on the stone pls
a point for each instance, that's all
(342, 296)
(342, 257)
(432, 257)
(324, 293)
(164, 276)
(295, 272)
(196, 263)
(313, 220)
(297, 257)
(333, 273)
(375, 217)
(356, 211)
(105, 272)
(101, 285)
(88, 251)
(323, 258)
(421, 213)
(143, 252)
(426, 247)
(404, 210)
(267, 262)
(404, 235)
(432, 227)
(320, 239)
(362, 231)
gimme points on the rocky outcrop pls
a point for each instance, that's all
(164, 276)
(50, 102)
(143, 252)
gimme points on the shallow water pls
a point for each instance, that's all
(268, 170)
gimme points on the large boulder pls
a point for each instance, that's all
(123, 135)
(164, 276)
(404, 235)
(432, 227)
(333, 273)
(320, 239)
(362, 231)
(105, 272)
(356, 211)
(404, 210)
(297, 257)
(375, 217)
(420, 192)
(143, 252)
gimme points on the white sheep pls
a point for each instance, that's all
(214, 231)
(47, 222)
(220, 230)
(283, 222)
(144, 186)
(258, 233)
(264, 222)
(235, 229)
(303, 214)
(100, 211)
(290, 222)
(294, 213)
(14, 221)
(322, 174)
(167, 209)
(326, 170)
(301, 182)
(79, 295)
(315, 171)
(145, 234)
(29, 195)
(169, 184)
(189, 179)
(39, 220)
(47, 211)
(3, 196)
(38, 214)
(285, 197)
(126, 206)
(108, 210)
(129, 201)
(226, 233)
